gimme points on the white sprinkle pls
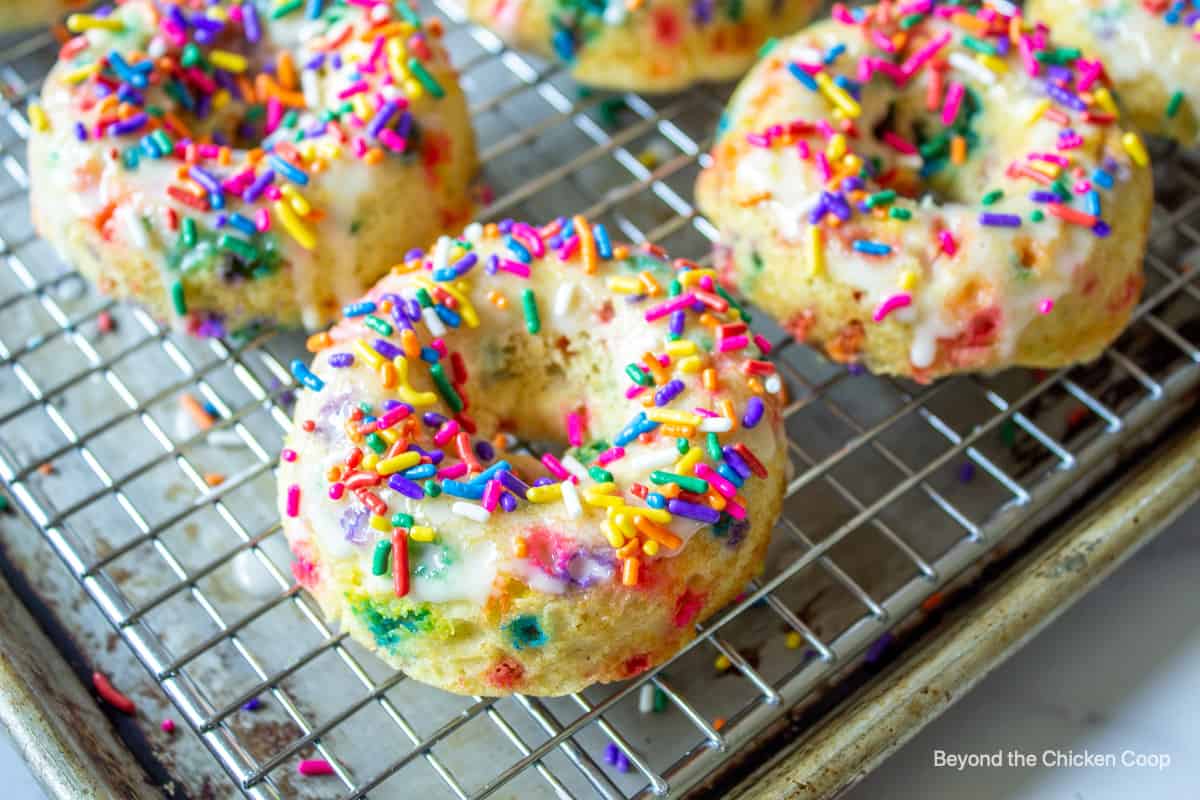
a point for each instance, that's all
(311, 88)
(563, 298)
(157, 47)
(773, 385)
(441, 253)
(969, 65)
(653, 460)
(470, 511)
(570, 498)
(1004, 7)
(572, 465)
(646, 698)
(225, 438)
(252, 576)
(433, 322)
(380, 13)
(134, 228)
(716, 424)
(615, 13)
(473, 232)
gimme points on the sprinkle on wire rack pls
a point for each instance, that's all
(526, 110)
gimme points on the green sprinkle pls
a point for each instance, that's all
(910, 20)
(881, 198)
(239, 247)
(406, 11)
(191, 55)
(734, 304)
(286, 8)
(290, 119)
(188, 234)
(685, 482)
(767, 47)
(992, 196)
(899, 212)
(1038, 215)
(177, 298)
(428, 81)
(637, 376)
(424, 299)
(431, 488)
(376, 324)
(1008, 432)
(600, 475)
(533, 323)
(682, 446)
(675, 288)
(713, 445)
(979, 46)
(381, 557)
(445, 388)
(1173, 104)
(163, 141)
(377, 443)
(402, 520)
(660, 700)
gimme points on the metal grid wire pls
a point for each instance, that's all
(896, 488)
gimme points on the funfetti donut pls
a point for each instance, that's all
(644, 45)
(482, 571)
(929, 191)
(1151, 52)
(225, 163)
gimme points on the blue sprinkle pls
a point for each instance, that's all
(359, 309)
(871, 249)
(305, 376)
(799, 73)
(1092, 203)
(518, 249)
(242, 224)
(420, 472)
(564, 44)
(448, 315)
(603, 243)
(430, 355)
(656, 500)
(287, 170)
(464, 490)
(726, 472)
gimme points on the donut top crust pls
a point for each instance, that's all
(935, 161)
(643, 366)
(204, 132)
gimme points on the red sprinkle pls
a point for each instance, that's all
(110, 695)
(314, 766)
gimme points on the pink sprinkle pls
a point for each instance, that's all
(882, 42)
(706, 283)
(897, 75)
(1025, 48)
(293, 501)
(949, 246)
(823, 166)
(1091, 72)
(274, 114)
(456, 471)
(273, 193)
(954, 96)
(314, 766)
(439, 344)
(893, 303)
(336, 490)
(568, 248)
(735, 509)
(825, 129)
(288, 454)
(555, 466)
(866, 68)
(518, 268)
(491, 495)
(574, 429)
(529, 237)
(842, 15)
(168, 724)
(1046, 306)
(671, 306)
(704, 471)
(393, 141)
(359, 146)
(262, 220)
(804, 151)
(1053, 158)
(757, 140)
(919, 58)
(899, 143)
(610, 455)
(705, 412)
(733, 343)
(352, 89)
(445, 433)
(633, 391)
(390, 418)
(763, 345)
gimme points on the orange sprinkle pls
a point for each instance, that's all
(620, 252)
(630, 548)
(318, 342)
(718, 723)
(500, 443)
(709, 377)
(387, 375)
(716, 500)
(333, 474)
(932, 602)
(728, 412)
(521, 547)
(192, 406)
(656, 369)
(214, 478)
(958, 150)
(658, 533)
(285, 68)
(373, 156)
(629, 571)
(587, 244)
(46, 468)
(497, 299)
(408, 341)
(650, 284)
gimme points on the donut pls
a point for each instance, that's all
(226, 164)
(416, 523)
(927, 192)
(644, 45)
(1151, 53)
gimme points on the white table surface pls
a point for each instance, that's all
(1119, 672)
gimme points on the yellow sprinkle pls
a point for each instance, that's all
(722, 663)
(414, 89)
(1046, 169)
(78, 23)
(303, 235)
(681, 347)
(544, 494)
(838, 96)
(380, 523)
(594, 498)
(615, 539)
(223, 59)
(659, 515)
(421, 533)
(220, 99)
(398, 463)
(37, 115)
(693, 276)
(836, 147)
(217, 13)
(908, 279)
(369, 461)
(993, 63)
(672, 415)
(691, 364)
(460, 291)
(81, 74)
(390, 436)
(407, 393)
(650, 547)
(1041, 108)
(298, 201)
(1105, 99)
(793, 641)
(624, 284)
(816, 252)
(608, 487)
(689, 460)
(367, 353)
(623, 521)
(1137, 151)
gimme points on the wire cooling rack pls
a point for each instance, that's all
(171, 529)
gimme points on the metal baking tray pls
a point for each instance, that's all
(911, 511)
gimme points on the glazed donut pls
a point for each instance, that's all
(929, 192)
(482, 572)
(645, 46)
(229, 163)
(1151, 53)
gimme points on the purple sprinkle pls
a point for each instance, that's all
(464, 264)
(354, 523)
(1101, 228)
(410, 489)
(390, 404)
(702, 11)
(754, 412)
(622, 764)
(513, 483)
(316, 62)
(133, 123)
(81, 132)
(253, 704)
(404, 126)
(508, 502)
(505, 226)
(205, 178)
(386, 349)
(435, 456)
(878, 648)
(341, 360)
(610, 753)
(432, 419)
(676, 322)
(736, 462)
(966, 472)
(382, 117)
(493, 264)
(250, 23)
(1000, 220)
(258, 186)
(484, 450)
(1042, 196)
(668, 392)
(543, 481)
(820, 210)
(414, 254)
(708, 516)
(1064, 97)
